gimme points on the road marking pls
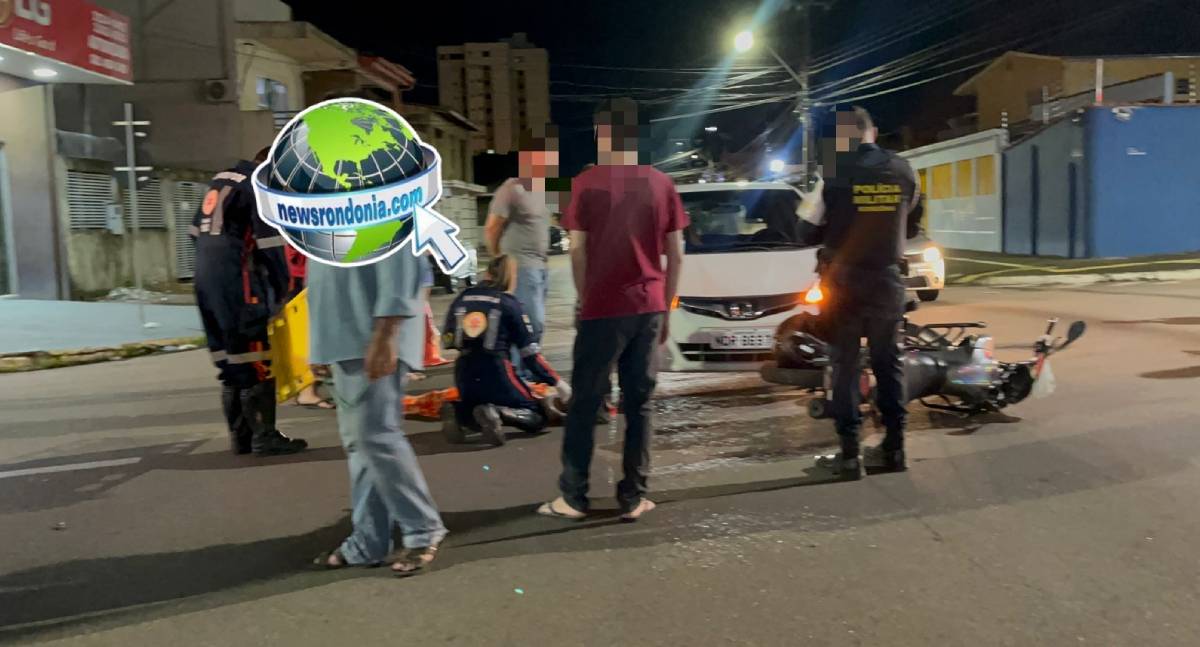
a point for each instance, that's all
(72, 467)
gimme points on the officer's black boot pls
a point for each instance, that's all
(452, 429)
(527, 420)
(258, 407)
(889, 455)
(239, 431)
(487, 417)
(847, 464)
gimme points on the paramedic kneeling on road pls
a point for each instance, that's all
(863, 209)
(482, 324)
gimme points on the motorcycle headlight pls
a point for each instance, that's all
(931, 255)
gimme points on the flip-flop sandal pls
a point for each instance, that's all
(322, 405)
(413, 561)
(547, 510)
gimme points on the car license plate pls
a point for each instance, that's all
(762, 338)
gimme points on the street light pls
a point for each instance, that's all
(777, 165)
(710, 129)
(744, 41)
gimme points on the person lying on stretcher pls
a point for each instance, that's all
(482, 323)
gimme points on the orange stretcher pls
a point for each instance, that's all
(428, 405)
(287, 334)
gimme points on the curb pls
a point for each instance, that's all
(1084, 279)
(40, 359)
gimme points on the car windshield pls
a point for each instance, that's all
(741, 220)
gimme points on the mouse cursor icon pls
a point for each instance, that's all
(434, 233)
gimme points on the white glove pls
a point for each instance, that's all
(563, 393)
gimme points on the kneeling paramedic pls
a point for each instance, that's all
(241, 280)
(483, 323)
(863, 209)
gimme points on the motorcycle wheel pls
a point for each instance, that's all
(818, 408)
(928, 295)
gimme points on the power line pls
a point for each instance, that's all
(748, 104)
(1051, 33)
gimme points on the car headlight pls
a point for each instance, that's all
(814, 294)
(931, 254)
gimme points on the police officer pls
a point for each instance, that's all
(241, 280)
(482, 324)
(863, 209)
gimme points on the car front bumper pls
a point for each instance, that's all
(693, 345)
(924, 275)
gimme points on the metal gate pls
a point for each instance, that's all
(151, 214)
(88, 197)
(188, 196)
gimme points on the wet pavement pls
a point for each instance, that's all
(1067, 520)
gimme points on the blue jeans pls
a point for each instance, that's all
(387, 488)
(533, 285)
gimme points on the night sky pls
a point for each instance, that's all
(696, 34)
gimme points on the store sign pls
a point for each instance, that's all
(74, 32)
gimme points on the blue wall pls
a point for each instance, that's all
(1043, 193)
(1144, 181)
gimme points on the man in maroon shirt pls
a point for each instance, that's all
(623, 219)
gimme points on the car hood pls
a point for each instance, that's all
(740, 274)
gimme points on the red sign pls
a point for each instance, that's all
(74, 32)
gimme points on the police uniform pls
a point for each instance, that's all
(241, 275)
(483, 324)
(866, 221)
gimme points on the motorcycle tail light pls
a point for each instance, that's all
(814, 294)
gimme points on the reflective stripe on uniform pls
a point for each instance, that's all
(217, 356)
(193, 230)
(458, 327)
(230, 175)
(489, 342)
(269, 242)
(248, 358)
(530, 350)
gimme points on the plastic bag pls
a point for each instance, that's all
(1044, 384)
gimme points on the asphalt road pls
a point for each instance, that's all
(124, 521)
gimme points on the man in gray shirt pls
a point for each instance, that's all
(518, 224)
(368, 324)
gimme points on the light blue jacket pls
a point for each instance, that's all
(343, 303)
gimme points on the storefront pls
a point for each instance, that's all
(44, 43)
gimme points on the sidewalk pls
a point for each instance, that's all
(966, 267)
(33, 325)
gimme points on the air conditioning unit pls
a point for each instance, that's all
(219, 91)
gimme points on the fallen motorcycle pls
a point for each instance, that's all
(947, 366)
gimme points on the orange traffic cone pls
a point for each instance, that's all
(433, 348)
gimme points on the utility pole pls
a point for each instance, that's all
(132, 169)
(805, 59)
(805, 8)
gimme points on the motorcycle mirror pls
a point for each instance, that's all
(1074, 332)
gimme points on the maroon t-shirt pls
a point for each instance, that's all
(627, 212)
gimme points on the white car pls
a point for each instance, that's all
(926, 268)
(739, 282)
